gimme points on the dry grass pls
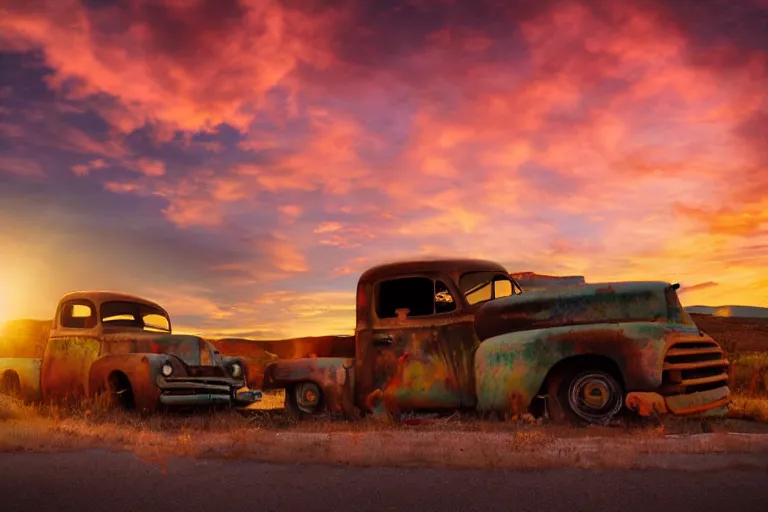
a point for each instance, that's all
(749, 408)
(750, 373)
(271, 436)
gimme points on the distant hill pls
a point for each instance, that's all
(729, 311)
(24, 338)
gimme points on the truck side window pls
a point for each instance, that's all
(78, 314)
(420, 295)
(444, 302)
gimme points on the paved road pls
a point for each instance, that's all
(82, 481)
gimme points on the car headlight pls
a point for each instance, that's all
(167, 369)
(236, 370)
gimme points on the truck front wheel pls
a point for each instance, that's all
(11, 385)
(303, 399)
(585, 395)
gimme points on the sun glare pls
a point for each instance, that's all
(3, 305)
(11, 294)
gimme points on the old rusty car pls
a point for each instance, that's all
(121, 347)
(461, 334)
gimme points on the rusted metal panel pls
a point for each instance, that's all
(450, 266)
(334, 375)
(646, 403)
(577, 305)
(24, 372)
(531, 281)
(96, 299)
(698, 402)
(290, 348)
(512, 367)
(428, 367)
(258, 354)
(66, 367)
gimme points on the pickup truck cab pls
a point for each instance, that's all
(461, 334)
(122, 347)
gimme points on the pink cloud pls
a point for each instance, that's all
(148, 167)
(221, 59)
(21, 167)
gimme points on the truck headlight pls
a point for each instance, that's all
(236, 370)
(167, 369)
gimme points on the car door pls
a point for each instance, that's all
(417, 358)
(70, 351)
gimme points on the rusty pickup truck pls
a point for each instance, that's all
(461, 334)
(121, 347)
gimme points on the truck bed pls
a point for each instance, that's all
(24, 338)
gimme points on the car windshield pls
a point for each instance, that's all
(133, 314)
(484, 286)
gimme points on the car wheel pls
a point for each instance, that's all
(304, 400)
(587, 396)
(11, 384)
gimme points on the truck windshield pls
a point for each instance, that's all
(675, 311)
(483, 286)
(132, 314)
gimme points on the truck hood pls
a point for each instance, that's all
(185, 347)
(635, 301)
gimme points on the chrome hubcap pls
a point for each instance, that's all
(595, 397)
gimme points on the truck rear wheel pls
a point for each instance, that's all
(591, 396)
(11, 384)
(303, 400)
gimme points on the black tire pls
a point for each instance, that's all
(121, 392)
(303, 400)
(585, 396)
(11, 384)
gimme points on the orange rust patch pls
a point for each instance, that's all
(645, 404)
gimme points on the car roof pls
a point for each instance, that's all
(98, 297)
(451, 266)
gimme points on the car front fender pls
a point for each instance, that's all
(140, 370)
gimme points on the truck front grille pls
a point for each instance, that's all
(694, 365)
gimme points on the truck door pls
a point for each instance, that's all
(71, 349)
(419, 351)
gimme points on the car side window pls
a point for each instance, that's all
(420, 296)
(78, 314)
(444, 301)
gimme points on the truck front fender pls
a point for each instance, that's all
(334, 376)
(140, 369)
(511, 368)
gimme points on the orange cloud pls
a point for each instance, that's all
(190, 66)
(606, 139)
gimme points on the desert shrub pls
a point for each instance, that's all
(750, 373)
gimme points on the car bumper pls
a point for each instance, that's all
(186, 392)
(711, 403)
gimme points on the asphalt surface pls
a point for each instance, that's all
(82, 481)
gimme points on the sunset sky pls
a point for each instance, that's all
(242, 161)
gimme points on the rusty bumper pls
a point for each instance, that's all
(185, 392)
(713, 402)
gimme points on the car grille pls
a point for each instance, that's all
(694, 365)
